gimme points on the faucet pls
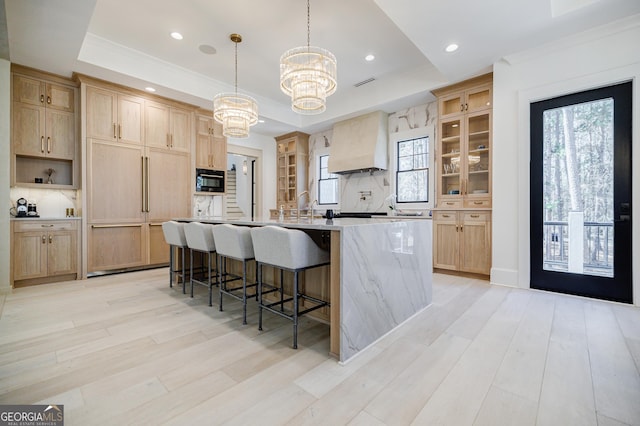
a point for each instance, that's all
(315, 203)
(298, 202)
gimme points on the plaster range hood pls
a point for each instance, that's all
(359, 144)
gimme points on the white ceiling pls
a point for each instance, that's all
(127, 41)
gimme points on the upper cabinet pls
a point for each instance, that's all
(44, 128)
(211, 145)
(167, 126)
(114, 116)
(292, 153)
(463, 169)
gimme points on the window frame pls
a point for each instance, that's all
(319, 179)
(399, 140)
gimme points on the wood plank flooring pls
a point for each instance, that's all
(127, 349)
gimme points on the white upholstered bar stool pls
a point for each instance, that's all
(289, 250)
(174, 236)
(234, 242)
(200, 238)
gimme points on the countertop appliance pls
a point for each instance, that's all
(209, 180)
(21, 207)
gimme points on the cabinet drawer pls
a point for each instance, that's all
(477, 203)
(450, 204)
(31, 225)
(444, 215)
(477, 216)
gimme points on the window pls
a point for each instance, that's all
(327, 183)
(412, 176)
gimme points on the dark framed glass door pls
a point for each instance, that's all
(581, 193)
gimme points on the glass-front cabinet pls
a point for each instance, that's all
(292, 161)
(464, 150)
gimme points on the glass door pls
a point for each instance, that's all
(581, 194)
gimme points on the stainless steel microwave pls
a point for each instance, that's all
(209, 180)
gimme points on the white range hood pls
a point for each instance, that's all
(359, 144)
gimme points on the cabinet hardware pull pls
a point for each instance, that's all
(142, 197)
(114, 131)
(132, 225)
(148, 197)
(47, 226)
(449, 203)
(461, 107)
(48, 144)
(445, 215)
(466, 107)
(477, 202)
(171, 139)
(49, 100)
(44, 239)
(42, 98)
(50, 238)
(475, 215)
(42, 144)
(119, 131)
(167, 141)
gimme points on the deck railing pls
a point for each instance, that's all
(598, 247)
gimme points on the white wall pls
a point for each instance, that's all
(5, 137)
(597, 58)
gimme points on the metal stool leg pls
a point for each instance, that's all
(259, 272)
(210, 282)
(221, 273)
(281, 290)
(295, 310)
(184, 275)
(171, 266)
(244, 292)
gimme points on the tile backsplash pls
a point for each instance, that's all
(50, 203)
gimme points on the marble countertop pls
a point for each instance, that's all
(301, 223)
(45, 218)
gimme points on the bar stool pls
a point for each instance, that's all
(200, 238)
(289, 250)
(174, 236)
(234, 242)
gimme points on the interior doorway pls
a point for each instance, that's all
(243, 185)
(581, 193)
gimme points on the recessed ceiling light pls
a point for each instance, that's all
(451, 48)
(260, 121)
(149, 89)
(176, 35)
(369, 58)
(207, 49)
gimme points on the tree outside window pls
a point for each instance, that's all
(327, 183)
(412, 176)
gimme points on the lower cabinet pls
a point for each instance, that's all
(116, 246)
(462, 241)
(44, 251)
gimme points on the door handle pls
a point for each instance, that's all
(50, 238)
(147, 176)
(142, 184)
(42, 144)
(44, 239)
(48, 144)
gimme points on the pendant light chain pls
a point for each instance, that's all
(236, 43)
(308, 24)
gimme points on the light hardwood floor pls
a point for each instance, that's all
(127, 349)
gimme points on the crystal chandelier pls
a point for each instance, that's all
(308, 75)
(236, 111)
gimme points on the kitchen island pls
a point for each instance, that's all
(380, 273)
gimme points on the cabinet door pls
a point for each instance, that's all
(28, 90)
(449, 172)
(116, 246)
(158, 248)
(61, 253)
(478, 99)
(157, 125)
(61, 134)
(169, 189)
(451, 105)
(29, 255)
(446, 240)
(28, 129)
(130, 119)
(115, 187)
(475, 242)
(60, 97)
(101, 114)
(204, 129)
(180, 139)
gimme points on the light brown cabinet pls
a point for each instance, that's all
(211, 145)
(462, 241)
(114, 116)
(463, 156)
(462, 235)
(167, 127)
(138, 175)
(291, 172)
(44, 251)
(43, 128)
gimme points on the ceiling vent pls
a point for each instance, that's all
(363, 82)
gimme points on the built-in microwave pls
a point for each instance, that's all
(209, 180)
